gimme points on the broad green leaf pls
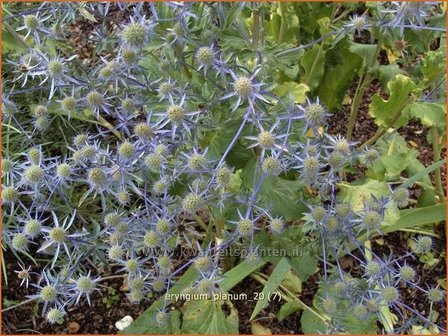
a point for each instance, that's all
(357, 194)
(304, 265)
(384, 110)
(275, 279)
(297, 91)
(429, 114)
(207, 317)
(292, 282)
(365, 51)
(313, 62)
(341, 66)
(386, 73)
(144, 324)
(287, 309)
(433, 64)
(277, 194)
(311, 324)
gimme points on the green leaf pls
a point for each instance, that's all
(287, 309)
(341, 66)
(311, 324)
(365, 51)
(383, 111)
(277, 276)
(207, 317)
(357, 194)
(277, 194)
(418, 176)
(313, 62)
(304, 266)
(297, 91)
(238, 273)
(144, 324)
(386, 73)
(429, 114)
(412, 218)
(433, 65)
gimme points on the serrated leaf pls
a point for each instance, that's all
(384, 110)
(429, 114)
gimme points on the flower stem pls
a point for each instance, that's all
(436, 149)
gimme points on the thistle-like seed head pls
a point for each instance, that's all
(97, 177)
(318, 213)
(163, 227)
(196, 161)
(63, 170)
(202, 264)
(407, 273)
(33, 174)
(158, 285)
(130, 57)
(151, 239)
(57, 234)
(10, 195)
(161, 149)
(135, 296)
(126, 150)
(175, 113)
(435, 295)
(48, 293)
(192, 202)
(245, 227)
(205, 56)
(94, 99)
(270, 165)
(423, 245)
(143, 131)
(40, 111)
(55, 68)
(266, 139)
(401, 197)
(243, 87)
(19, 242)
(223, 176)
(131, 265)
(69, 104)
(31, 22)
(135, 35)
(389, 294)
(166, 88)
(373, 269)
(360, 311)
(85, 285)
(115, 252)
(277, 225)
(33, 227)
(54, 315)
(314, 113)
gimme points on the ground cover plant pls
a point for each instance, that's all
(233, 167)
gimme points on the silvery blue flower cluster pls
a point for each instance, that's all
(144, 177)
